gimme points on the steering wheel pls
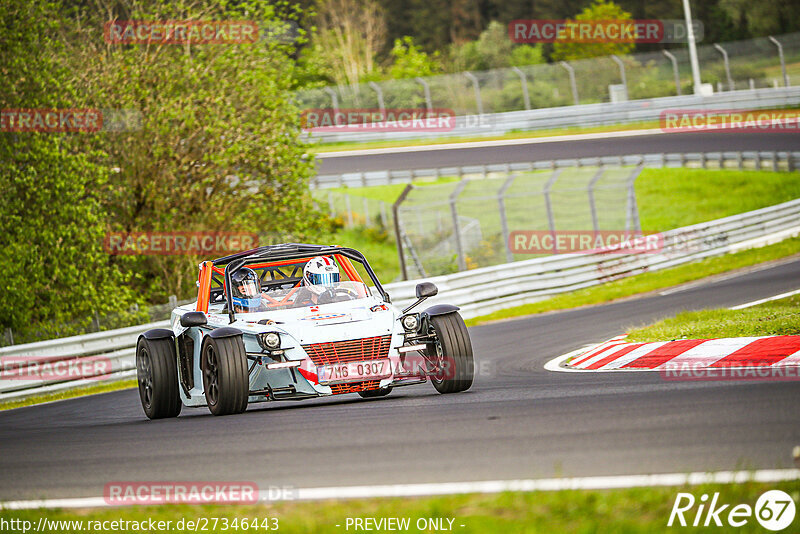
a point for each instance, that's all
(335, 295)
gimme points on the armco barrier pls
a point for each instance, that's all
(478, 291)
(584, 116)
(747, 159)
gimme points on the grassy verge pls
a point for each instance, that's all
(79, 392)
(780, 317)
(651, 281)
(621, 510)
(335, 147)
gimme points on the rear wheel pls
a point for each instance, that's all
(373, 393)
(157, 374)
(224, 365)
(451, 354)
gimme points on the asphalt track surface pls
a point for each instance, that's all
(425, 157)
(518, 420)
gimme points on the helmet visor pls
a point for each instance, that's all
(247, 288)
(324, 279)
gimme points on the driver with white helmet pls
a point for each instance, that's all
(320, 274)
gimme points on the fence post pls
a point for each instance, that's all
(10, 336)
(632, 220)
(427, 91)
(675, 73)
(173, 302)
(334, 100)
(783, 61)
(551, 221)
(381, 105)
(477, 88)
(330, 204)
(384, 218)
(619, 62)
(727, 66)
(349, 210)
(501, 202)
(462, 263)
(398, 234)
(525, 96)
(366, 211)
(572, 83)
(592, 206)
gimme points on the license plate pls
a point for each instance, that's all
(354, 371)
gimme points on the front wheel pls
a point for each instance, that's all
(157, 375)
(225, 380)
(451, 354)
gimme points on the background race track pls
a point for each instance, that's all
(540, 149)
(518, 421)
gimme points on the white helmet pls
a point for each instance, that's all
(320, 273)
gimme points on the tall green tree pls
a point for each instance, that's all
(52, 217)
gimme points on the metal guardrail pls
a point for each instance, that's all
(787, 161)
(477, 292)
(585, 115)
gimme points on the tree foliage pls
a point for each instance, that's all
(599, 10)
(216, 148)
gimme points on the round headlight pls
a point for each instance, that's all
(269, 340)
(410, 323)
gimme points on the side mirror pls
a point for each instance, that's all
(426, 289)
(193, 318)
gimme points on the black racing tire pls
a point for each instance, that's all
(374, 393)
(157, 375)
(453, 352)
(223, 362)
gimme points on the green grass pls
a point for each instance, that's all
(78, 392)
(671, 198)
(643, 283)
(621, 510)
(780, 317)
(336, 147)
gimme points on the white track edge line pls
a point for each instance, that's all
(768, 299)
(488, 486)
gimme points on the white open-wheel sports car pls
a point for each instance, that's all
(297, 321)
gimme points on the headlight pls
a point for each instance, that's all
(269, 340)
(410, 323)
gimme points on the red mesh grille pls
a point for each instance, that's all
(354, 387)
(353, 350)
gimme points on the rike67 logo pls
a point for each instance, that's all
(774, 510)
